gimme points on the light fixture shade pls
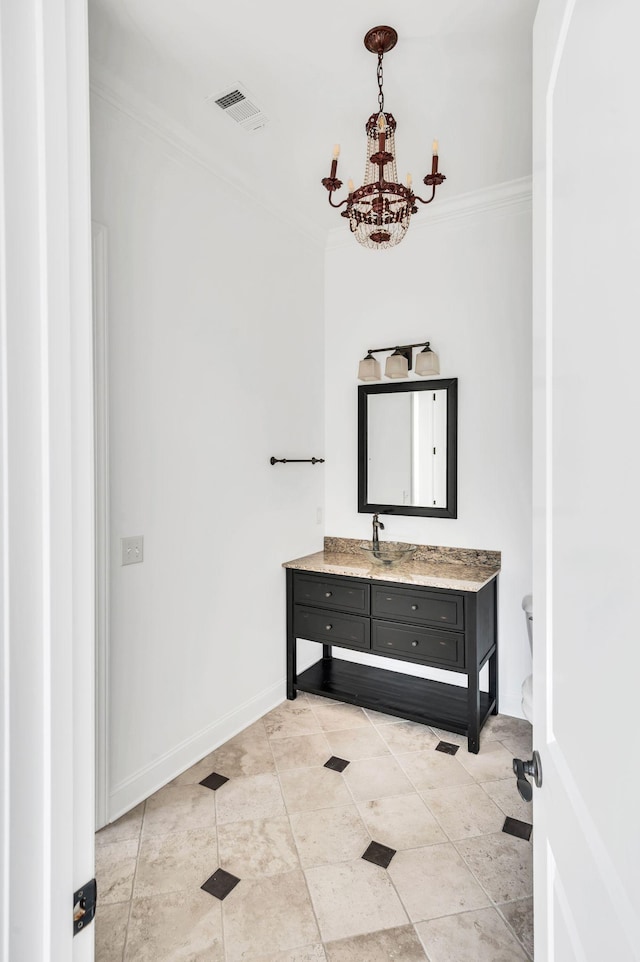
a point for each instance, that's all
(427, 363)
(396, 366)
(369, 369)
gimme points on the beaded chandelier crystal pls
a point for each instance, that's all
(380, 211)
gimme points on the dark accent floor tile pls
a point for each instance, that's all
(220, 884)
(379, 854)
(336, 764)
(447, 747)
(513, 826)
(214, 781)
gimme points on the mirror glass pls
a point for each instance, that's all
(407, 448)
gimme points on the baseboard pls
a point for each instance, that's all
(133, 790)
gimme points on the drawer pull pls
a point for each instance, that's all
(328, 627)
(414, 607)
(328, 594)
(414, 644)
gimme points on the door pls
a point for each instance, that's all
(46, 482)
(586, 345)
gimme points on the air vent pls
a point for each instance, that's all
(237, 105)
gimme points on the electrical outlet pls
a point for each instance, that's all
(132, 549)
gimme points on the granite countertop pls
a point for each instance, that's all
(432, 566)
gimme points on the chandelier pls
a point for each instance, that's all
(379, 212)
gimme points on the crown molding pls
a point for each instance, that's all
(509, 197)
(175, 138)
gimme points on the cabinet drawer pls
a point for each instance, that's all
(346, 631)
(420, 607)
(442, 649)
(329, 593)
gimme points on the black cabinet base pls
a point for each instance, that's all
(393, 693)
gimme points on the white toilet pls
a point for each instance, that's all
(527, 684)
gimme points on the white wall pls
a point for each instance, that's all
(216, 363)
(464, 284)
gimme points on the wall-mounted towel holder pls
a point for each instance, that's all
(296, 461)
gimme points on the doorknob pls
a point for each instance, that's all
(533, 768)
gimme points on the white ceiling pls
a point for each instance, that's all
(461, 71)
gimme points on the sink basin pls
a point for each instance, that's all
(388, 552)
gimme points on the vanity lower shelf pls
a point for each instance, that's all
(380, 689)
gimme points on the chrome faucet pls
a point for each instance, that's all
(377, 524)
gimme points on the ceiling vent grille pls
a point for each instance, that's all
(237, 105)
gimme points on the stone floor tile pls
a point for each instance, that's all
(357, 743)
(127, 826)
(291, 718)
(247, 753)
(258, 848)
(111, 931)
(400, 822)
(379, 717)
(519, 915)
(329, 835)
(464, 811)
(506, 796)
(432, 769)
(518, 746)
(181, 925)
(435, 881)
(175, 863)
(498, 727)
(249, 798)
(388, 945)
(338, 717)
(178, 808)
(479, 936)
(492, 762)
(274, 912)
(308, 789)
(300, 751)
(408, 736)
(376, 778)
(308, 953)
(353, 898)
(115, 868)
(501, 863)
(453, 737)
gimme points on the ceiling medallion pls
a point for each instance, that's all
(379, 212)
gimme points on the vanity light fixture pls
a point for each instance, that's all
(380, 210)
(399, 363)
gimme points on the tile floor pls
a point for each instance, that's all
(456, 888)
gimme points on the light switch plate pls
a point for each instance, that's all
(132, 549)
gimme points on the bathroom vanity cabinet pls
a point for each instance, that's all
(438, 627)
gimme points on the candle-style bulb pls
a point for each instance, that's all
(382, 123)
(336, 151)
(350, 186)
(409, 180)
(434, 147)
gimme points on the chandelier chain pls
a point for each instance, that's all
(380, 91)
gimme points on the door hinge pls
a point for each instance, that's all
(84, 906)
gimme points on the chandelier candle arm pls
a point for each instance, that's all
(379, 212)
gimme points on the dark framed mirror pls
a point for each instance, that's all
(408, 448)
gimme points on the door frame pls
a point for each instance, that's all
(47, 546)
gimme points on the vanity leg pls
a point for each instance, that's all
(326, 651)
(473, 680)
(493, 681)
(292, 672)
(473, 721)
(493, 661)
